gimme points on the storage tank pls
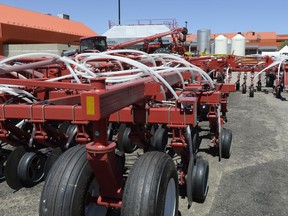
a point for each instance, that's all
(203, 40)
(221, 43)
(212, 47)
(238, 45)
(229, 45)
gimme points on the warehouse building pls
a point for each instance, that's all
(256, 42)
(54, 34)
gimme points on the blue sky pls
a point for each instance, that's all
(220, 16)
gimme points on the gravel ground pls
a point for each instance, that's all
(254, 181)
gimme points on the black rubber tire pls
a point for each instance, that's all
(72, 132)
(160, 139)
(2, 170)
(251, 92)
(195, 139)
(31, 168)
(190, 179)
(226, 142)
(259, 87)
(282, 85)
(220, 78)
(67, 184)
(11, 168)
(237, 86)
(121, 130)
(278, 92)
(270, 80)
(3, 158)
(146, 187)
(120, 157)
(54, 155)
(110, 130)
(244, 89)
(63, 126)
(200, 180)
(123, 141)
(203, 112)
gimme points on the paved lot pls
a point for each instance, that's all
(254, 181)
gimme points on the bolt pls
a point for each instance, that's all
(97, 133)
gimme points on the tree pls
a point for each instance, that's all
(284, 43)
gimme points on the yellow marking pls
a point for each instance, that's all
(90, 105)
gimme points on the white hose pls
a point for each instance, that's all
(133, 51)
(270, 66)
(227, 74)
(148, 71)
(197, 69)
(17, 92)
(28, 55)
(137, 68)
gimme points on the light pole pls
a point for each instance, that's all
(119, 14)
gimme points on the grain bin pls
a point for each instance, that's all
(203, 40)
(229, 45)
(221, 43)
(238, 45)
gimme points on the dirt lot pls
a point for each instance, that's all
(254, 181)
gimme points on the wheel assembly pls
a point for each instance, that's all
(237, 86)
(226, 143)
(200, 180)
(251, 91)
(71, 186)
(52, 157)
(11, 168)
(160, 139)
(203, 112)
(151, 187)
(71, 133)
(244, 89)
(278, 92)
(195, 139)
(197, 180)
(110, 132)
(192, 135)
(123, 140)
(259, 86)
(30, 169)
(270, 80)
(189, 179)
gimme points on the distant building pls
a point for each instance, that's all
(19, 26)
(283, 51)
(256, 42)
(123, 33)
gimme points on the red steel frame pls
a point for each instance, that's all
(97, 104)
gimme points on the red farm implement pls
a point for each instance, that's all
(92, 111)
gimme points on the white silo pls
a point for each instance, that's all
(203, 40)
(229, 44)
(221, 43)
(238, 45)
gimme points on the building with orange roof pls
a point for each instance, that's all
(19, 26)
(256, 42)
